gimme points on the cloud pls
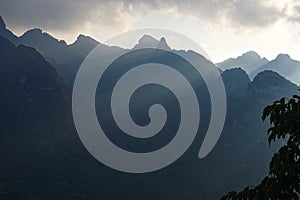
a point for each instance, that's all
(236, 13)
(118, 15)
(65, 14)
(255, 13)
(295, 17)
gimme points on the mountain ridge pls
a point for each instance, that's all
(48, 161)
(284, 65)
(248, 61)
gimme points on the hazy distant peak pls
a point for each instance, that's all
(2, 23)
(251, 54)
(150, 42)
(283, 57)
(147, 39)
(249, 61)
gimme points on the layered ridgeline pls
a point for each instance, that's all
(35, 126)
(249, 61)
(253, 64)
(41, 156)
(65, 58)
(30, 86)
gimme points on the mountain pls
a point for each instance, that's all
(38, 143)
(248, 61)
(42, 157)
(148, 41)
(253, 64)
(285, 66)
(29, 85)
(236, 82)
(272, 85)
(51, 48)
(84, 44)
(68, 58)
(65, 58)
(4, 32)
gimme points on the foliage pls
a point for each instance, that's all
(283, 181)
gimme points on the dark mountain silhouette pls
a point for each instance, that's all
(4, 32)
(285, 66)
(50, 47)
(248, 61)
(237, 82)
(65, 58)
(34, 125)
(83, 44)
(41, 156)
(30, 86)
(271, 84)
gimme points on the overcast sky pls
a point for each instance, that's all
(223, 28)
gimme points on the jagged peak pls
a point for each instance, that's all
(38, 33)
(149, 41)
(163, 44)
(163, 40)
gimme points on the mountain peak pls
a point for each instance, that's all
(283, 57)
(2, 23)
(34, 31)
(147, 41)
(163, 44)
(251, 54)
(270, 78)
(81, 36)
(85, 42)
(5, 33)
(82, 39)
